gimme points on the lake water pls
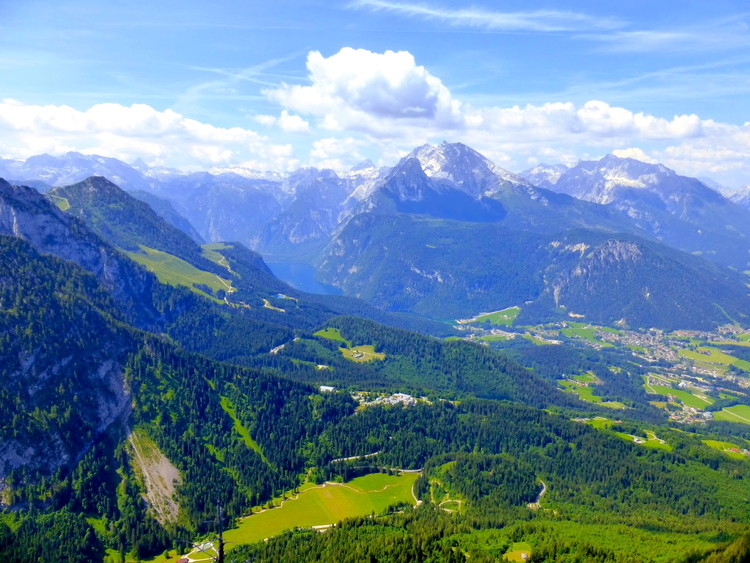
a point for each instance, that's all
(302, 276)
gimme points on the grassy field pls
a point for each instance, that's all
(737, 413)
(650, 441)
(586, 378)
(327, 504)
(62, 202)
(492, 338)
(586, 393)
(685, 397)
(210, 252)
(517, 551)
(600, 423)
(361, 354)
(499, 318)
(175, 271)
(725, 447)
(709, 355)
(332, 334)
(587, 332)
(228, 407)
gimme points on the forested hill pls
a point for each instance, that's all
(245, 435)
(117, 440)
(126, 222)
(452, 269)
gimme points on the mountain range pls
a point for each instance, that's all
(447, 233)
(145, 375)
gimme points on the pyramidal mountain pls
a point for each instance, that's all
(469, 171)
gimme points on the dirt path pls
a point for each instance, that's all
(351, 458)
(537, 505)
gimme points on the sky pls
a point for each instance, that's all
(280, 85)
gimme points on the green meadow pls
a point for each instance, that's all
(499, 318)
(174, 271)
(327, 504)
(586, 393)
(361, 354)
(737, 413)
(685, 397)
(709, 355)
(650, 441)
(210, 252)
(725, 447)
(332, 334)
(588, 332)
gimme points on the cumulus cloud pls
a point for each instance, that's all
(380, 104)
(396, 104)
(336, 154)
(358, 89)
(286, 122)
(128, 132)
(634, 153)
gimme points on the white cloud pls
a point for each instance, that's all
(336, 154)
(286, 122)
(634, 153)
(392, 102)
(358, 89)
(129, 132)
(380, 105)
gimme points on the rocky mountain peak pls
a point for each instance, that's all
(364, 165)
(470, 171)
(544, 175)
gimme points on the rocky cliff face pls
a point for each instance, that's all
(26, 214)
(61, 378)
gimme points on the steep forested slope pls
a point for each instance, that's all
(452, 269)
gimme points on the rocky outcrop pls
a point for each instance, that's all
(26, 214)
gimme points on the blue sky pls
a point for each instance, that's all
(285, 84)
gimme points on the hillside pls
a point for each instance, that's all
(451, 269)
(79, 404)
(124, 221)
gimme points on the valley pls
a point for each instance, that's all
(694, 376)
(388, 401)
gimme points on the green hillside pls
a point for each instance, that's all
(451, 269)
(222, 404)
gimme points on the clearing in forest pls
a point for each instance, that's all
(331, 333)
(504, 317)
(581, 386)
(172, 270)
(732, 450)
(364, 353)
(322, 505)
